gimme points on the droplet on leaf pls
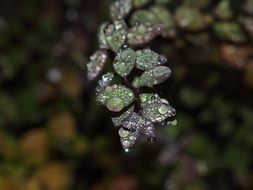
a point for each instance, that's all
(123, 133)
(115, 104)
(127, 138)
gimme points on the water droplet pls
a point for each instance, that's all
(163, 109)
(125, 143)
(173, 123)
(162, 59)
(108, 89)
(115, 104)
(123, 133)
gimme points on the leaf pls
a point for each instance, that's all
(230, 31)
(120, 9)
(191, 19)
(223, 10)
(143, 33)
(96, 64)
(143, 17)
(101, 36)
(148, 59)
(115, 35)
(164, 17)
(134, 126)
(124, 62)
(116, 97)
(152, 77)
(155, 108)
(127, 138)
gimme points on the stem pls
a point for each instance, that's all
(136, 95)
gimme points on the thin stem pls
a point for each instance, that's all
(136, 94)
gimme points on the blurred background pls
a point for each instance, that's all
(53, 135)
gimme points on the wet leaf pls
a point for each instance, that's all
(164, 17)
(115, 97)
(96, 64)
(153, 77)
(120, 9)
(148, 59)
(101, 36)
(143, 33)
(135, 125)
(115, 35)
(155, 108)
(128, 138)
(124, 62)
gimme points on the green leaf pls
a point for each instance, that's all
(155, 108)
(191, 19)
(124, 62)
(143, 33)
(230, 31)
(140, 3)
(148, 59)
(115, 35)
(152, 77)
(116, 97)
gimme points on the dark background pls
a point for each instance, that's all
(54, 136)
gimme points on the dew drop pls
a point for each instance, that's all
(125, 143)
(123, 133)
(115, 104)
(163, 109)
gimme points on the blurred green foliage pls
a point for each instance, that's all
(54, 136)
